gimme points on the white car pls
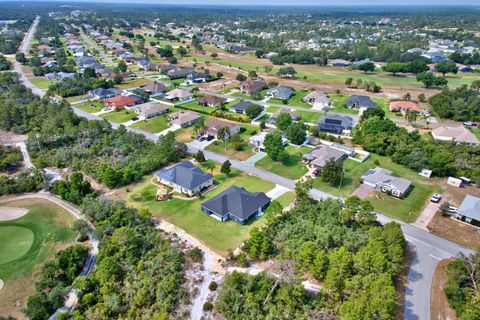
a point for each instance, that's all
(436, 198)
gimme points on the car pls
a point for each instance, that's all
(210, 138)
(106, 109)
(451, 209)
(134, 118)
(469, 124)
(436, 198)
(201, 138)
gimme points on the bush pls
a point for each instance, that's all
(208, 306)
(212, 286)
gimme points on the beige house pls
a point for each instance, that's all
(459, 134)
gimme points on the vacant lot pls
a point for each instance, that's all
(91, 106)
(25, 244)
(153, 125)
(455, 231)
(186, 213)
(119, 116)
(290, 168)
(440, 309)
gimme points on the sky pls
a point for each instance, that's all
(296, 2)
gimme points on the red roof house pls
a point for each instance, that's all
(404, 106)
(120, 102)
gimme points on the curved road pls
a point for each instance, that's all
(429, 248)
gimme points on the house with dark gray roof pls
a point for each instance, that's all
(335, 123)
(237, 204)
(186, 178)
(242, 106)
(360, 102)
(281, 92)
(318, 157)
(383, 180)
(179, 73)
(469, 210)
(101, 93)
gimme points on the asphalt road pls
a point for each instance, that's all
(94, 45)
(429, 249)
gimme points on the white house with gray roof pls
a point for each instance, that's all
(383, 180)
(186, 178)
(469, 210)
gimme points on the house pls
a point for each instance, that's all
(250, 86)
(273, 118)
(101, 93)
(383, 180)
(339, 63)
(242, 106)
(469, 210)
(146, 65)
(435, 56)
(212, 128)
(459, 134)
(318, 99)
(403, 106)
(360, 102)
(186, 178)
(318, 157)
(130, 57)
(120, 102)
(163, 68)
(197, 78)
(178, 95)
(211, 101)
(184, 118)
(463, 68)
(281, 92)
(151, 109)
(179, 73)
(155, 88)
(237, 204)
(258, 139)
(335, 123)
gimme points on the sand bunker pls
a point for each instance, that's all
(11, 213)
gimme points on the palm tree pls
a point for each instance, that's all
(411, 116)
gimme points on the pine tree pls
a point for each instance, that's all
(226, 168)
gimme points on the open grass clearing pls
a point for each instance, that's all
(119, 116)
(286, 199)
(186, 214)
(42, 83)
(291, 167)
(154, 125)
(228, 148)
(193, 105)
(91, 106)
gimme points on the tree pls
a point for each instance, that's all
(240, 77)
(407, 96)
(4, 63)
(296, 133)
(219, 75)
(367, 67)
(89, 73)
(182, 51)
(274, 145)
(172, 60)
(340, 263)
(20, 57)
(475, 85)
(421, 97)
(268, 69)
(302, 188)
(446, 66)
(287, 72)
(430, 80)
(283, 121)
(226, 168)
(200, 157)
(122, 66)
(252, 74)
(332, 172)
(214, 55)
(349, 81)
(253, 110)
(411, 116)
(416, 67)
(210, 165)
(394, 67)
(372, 112)
(223, 133)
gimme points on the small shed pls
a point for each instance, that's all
(455, 182)
(425, 173)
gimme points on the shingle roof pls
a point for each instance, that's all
(321, 154)
(361, 102)
(470, 207)
(237, 202)
(242, 105)
(185, 174)
(383, 176)
(459, 134)
(281, 92)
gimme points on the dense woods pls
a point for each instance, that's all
(10, 158)
(460, 104)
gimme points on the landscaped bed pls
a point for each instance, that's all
(186, 213)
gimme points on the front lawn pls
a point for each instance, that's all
(228, 149)
(119, 116)
(184, 135)
(153, 125)
(286, 199)
(193, 105)
(291, 168)
(186, 214)
(296, 100)
(42, 83)
(91, 106)
(339, 101)
(309, 117)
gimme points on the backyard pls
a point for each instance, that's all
(291, 167)
(186, 213)
(26, 243)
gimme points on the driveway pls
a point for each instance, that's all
(427, 215)
(277, 192)
(363, 191)
(200, 145)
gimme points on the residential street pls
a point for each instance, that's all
(429, 248)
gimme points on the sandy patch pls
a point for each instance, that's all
(11, 213)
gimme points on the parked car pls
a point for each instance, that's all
(469, 124)
(134, 118)
(452, 210)
(436, 198)
(201, 138)
(106, 109)
(210, 138)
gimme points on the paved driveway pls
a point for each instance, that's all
(427, 215)
(363, 191)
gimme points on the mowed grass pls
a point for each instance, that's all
(50, 227)
(286, 199)
(228, 148)
(119, 116)
(42, 83)
(193, 105)
(406, 209)
(186, 214)
(153, 125)
(291, 167)
(91, 106)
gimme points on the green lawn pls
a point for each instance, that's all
(228, 149)
(339, 102)
(42, 83)
(91, 106)
(310, 117)
(286, 199)
(296, 100)
(476, 132)
(154, 125)
(241, 95)
(291, 168)
(186, 214)
(74, 98)
(27, 242)
(119, 116)
(272, 109)
(193, 105)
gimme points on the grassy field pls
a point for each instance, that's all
(25, 244)
(228, 149)
(184, 135)
(41, 82)
(291, 168)
(138, 82)
(154, 125)
(91, 106)
(296, 100)
(193, 105)
(339, 102)
(119, 116)
(404, 209)
(187, 215)
(286, 199)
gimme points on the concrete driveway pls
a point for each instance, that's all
(427, 215)
(363, 191)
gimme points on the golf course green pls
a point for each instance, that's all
(15, 242)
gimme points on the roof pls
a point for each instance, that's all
(196, 75)
(184, 116)
(253, 85)
(459, 134)
(185, 174)
(152, 108)
(292, 114)
(242, 105)
(405, 105)
(237, 202)
(321, 154)
(212, 100)
(281, 92)
(336, 120)
(102, 92)
(216, 124)
(383, 176)
(317, 96)
(361, 102)
(155, 87)
(470, 207)
(120, 101)
(178, 93)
